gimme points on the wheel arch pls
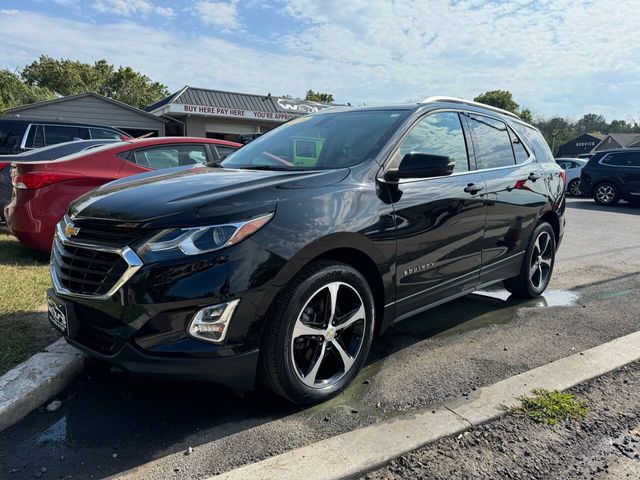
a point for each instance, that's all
(352, 249)
(552, 218)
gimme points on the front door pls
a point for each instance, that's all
(439, 221)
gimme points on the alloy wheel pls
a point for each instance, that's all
(574, 188)
(541, 260)
(328, 335)
(605, 193)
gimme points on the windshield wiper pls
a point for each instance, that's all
(266, 167)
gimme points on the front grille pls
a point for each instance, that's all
(92, 232)
(86, 271)
(97, 339)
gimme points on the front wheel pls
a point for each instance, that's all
(319, 334)
(537, 264)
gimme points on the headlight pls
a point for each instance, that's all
(197, 240)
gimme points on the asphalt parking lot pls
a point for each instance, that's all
(111, 424)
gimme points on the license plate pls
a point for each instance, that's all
(58, 315)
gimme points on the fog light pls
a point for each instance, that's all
(211, 323)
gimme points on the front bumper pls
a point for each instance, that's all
(142, 327)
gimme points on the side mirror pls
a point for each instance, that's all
(421, 165)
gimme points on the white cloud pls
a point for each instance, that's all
(10, 11)
(129, 8)
(556, 56)
(218, 14)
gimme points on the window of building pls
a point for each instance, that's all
(491, 141)
(438, 134)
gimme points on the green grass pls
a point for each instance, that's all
(24, 279)
(551, 407)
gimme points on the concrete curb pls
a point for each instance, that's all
(357, 452)
(36, 380)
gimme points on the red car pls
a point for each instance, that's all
(42, 191)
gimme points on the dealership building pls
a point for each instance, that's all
(239, 117)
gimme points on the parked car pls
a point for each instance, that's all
(42, 191)
(572, 167)
(263, 266)
(45, 153)
(612, 175)
(19, 135)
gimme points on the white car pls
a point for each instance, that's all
(572, 167)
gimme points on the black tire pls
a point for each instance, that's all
(530, 283)
(606, 194)
(283, 357)
(573, 188)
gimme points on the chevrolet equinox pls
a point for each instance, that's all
(284, 261)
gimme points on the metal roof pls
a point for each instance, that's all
(241, 101)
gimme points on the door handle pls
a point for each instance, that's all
(472, 188)
(533, 176)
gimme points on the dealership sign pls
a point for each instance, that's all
(213, 111)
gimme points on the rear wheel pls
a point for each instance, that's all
(606, 194)
(537, 264)
(574, 188)
(319, 335)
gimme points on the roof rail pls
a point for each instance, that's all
(469, 102)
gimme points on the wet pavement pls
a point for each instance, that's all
(113, 424)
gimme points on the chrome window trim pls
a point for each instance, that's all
(133, 261)
(23, 144)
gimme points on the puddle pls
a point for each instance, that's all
(480, 309)
(55, 433)
(550, 298)
(615, 294)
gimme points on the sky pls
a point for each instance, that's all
(558, 57)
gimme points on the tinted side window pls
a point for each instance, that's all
(11, 134)
(536, 141)
(35, 138)
(104, 133)
(224, 152)
(518, 148)
(168, 156)
(61, 133)
(438, 134)
(623, 160)
(491, 141)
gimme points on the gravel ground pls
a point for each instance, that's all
(606, 444)
(430, 359)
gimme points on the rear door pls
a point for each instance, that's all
(516, 190)
(439, 221)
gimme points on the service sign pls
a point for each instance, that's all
(213, 111)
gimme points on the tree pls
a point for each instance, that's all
(526, 115)
(499, 98)
(592, 123)
(319, 97)
(14, 92)
(71, 77)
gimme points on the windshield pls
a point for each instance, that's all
(324, 141)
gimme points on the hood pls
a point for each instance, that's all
(195, 196)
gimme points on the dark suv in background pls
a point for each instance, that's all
(612, 175)
(18, 135)
(286, 264)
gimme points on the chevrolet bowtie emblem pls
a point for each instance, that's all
(71, 231)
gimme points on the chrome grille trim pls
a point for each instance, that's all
(129, 256)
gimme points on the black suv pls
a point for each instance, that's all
(612, 175)
(290, 256)
(19, 135)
